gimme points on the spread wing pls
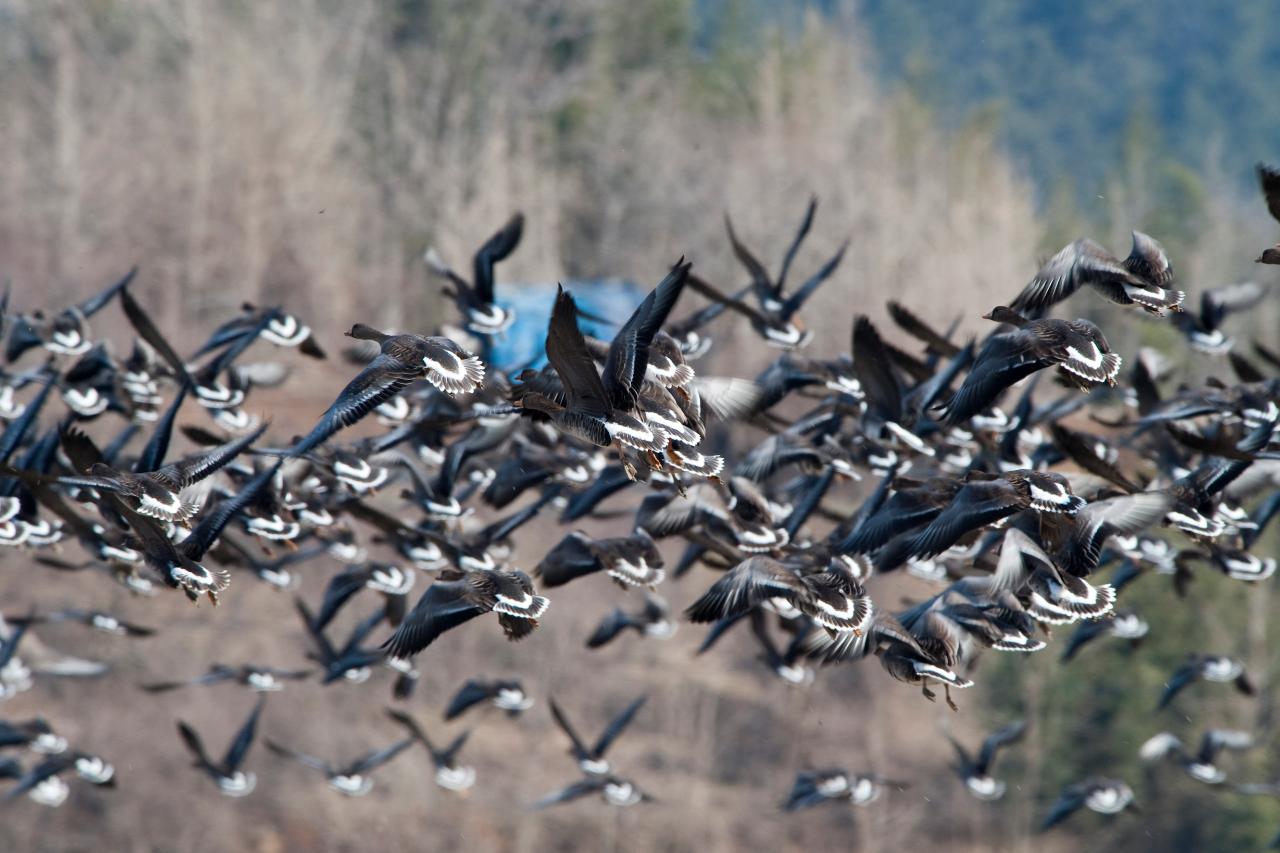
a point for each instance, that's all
(567, 352)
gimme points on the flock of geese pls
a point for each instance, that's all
(1010, 500)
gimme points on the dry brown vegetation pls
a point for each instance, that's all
(308, 152)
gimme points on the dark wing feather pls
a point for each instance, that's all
(495, 249)
(801, 233)
(760, 282)
(379, 757)
(94, 304)
(567, 352)
(871, 366)
(244, 739)
(1269, 180)
(574, 792)
(1002, 361)
(442, 607)
(1001, 737)
(471, 694)
(579, 748)
(796, 300)
(213, 522)
(381, 379)
(628, 357)
(617, 726)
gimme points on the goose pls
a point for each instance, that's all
(231, 780)
(35, 734)
(831, 597)
(603, 409)
(591, 759)
(261, 679)
(614, 790)
(630, 561)
(1077, 347)
(351, 779)
(448, 603)
(66, 333)
(401, 359)
(1207, 667)
(449, 774)
(1101, 794)
(815, 787)
(1199, 766)
(504, 694)
(975, 771)
(774, 318)
(43, 783)
(1120, 624)
(475, 299)
(1140, 279)
(653, 619)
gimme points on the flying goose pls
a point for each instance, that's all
(351, 779)
(815, 787)
(1140, 279)
(975, 770)
(504, 694)
(1077, 347)
(448, 603)
(231, 780)
(1100, 794)
(449, 774)
(1199, 766)
(475, 299)
(591, 759)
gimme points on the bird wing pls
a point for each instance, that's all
(301, 757)
(239, 747)
(579, 748)
(754, 580)
(198, 466)
(1092, 525)
(976, 505)
(195, 746)
(214, 521)
(1067, 804)
(760, 283)
(1269, 180)
(443, 606)
(795, 301)
(801, 233)
(573, 792)
(1003, 360)
(1182, 676)
(610, 626)
(873, 370)
(628, 358)
(567, 353)
(1004, 736)
(381, 379)
(471, 694)
(617, 726)
(495, 249)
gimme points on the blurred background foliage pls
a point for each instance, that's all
(310, 152)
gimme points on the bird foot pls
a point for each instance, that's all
(629, 469)
(929, 694)
(946, 689)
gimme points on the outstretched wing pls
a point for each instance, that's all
(244, 739)
(442, 607)
(495, 249)
(617, 726)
